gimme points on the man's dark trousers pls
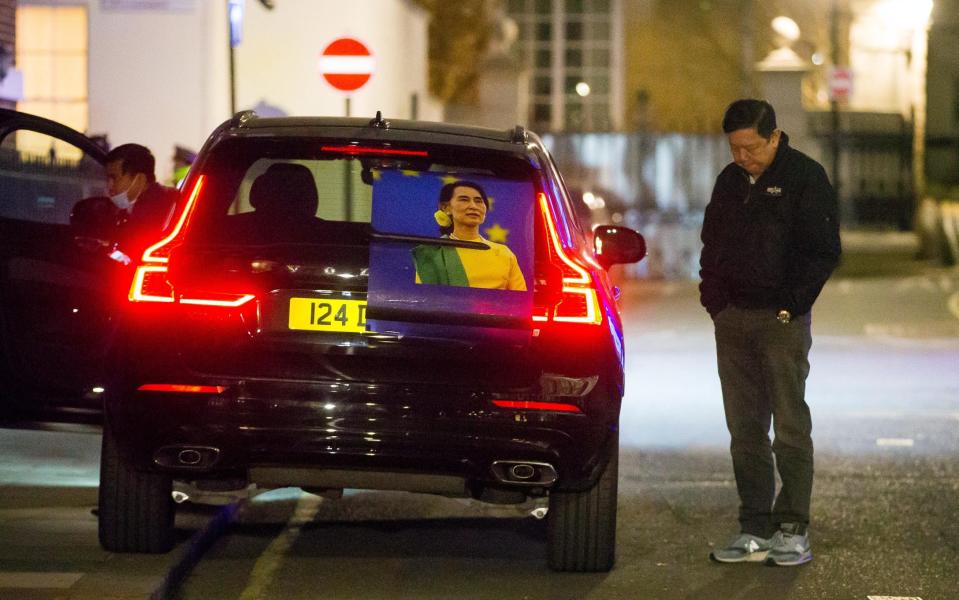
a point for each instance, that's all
(763, 365)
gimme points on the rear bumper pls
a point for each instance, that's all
(302, 433)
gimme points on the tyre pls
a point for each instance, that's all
(581, 529)
(136, 508)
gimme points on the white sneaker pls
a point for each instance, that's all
(743, 548)
(789, 546)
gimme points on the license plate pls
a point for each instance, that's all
(313, 314)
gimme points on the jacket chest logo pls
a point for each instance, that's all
(773, 190)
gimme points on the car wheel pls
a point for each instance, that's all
(136, 508)
(581, 530)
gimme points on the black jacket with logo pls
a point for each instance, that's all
(772, 243)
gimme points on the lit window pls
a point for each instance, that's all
(52, 53)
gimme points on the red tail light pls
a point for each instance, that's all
(532, 405)
(368, 150)
(181, 388)
(578, 301)
(150, 281)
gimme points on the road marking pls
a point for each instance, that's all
(38, 580)
(893, 598)
(896, 442)
(267, 564)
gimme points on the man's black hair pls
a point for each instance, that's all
(134, 159)
(750, 114)
(446, 194)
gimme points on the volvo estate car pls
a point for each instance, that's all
(371, 304)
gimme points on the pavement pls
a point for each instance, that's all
(885, 515)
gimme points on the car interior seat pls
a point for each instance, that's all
(286, 191)
(285, 200)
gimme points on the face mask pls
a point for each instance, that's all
(122, 200)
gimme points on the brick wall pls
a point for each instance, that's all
(8, 9)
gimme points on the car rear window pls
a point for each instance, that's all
(276, 190)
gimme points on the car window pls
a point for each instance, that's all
(42, 177)
(265, 191)
(335, 200)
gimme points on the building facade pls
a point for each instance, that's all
(942, 152)
(574, 52)
(9, 84)
(158, 71)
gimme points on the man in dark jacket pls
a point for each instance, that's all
(145, 206)
(770, 241)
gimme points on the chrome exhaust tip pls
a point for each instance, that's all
(186, 457)
(189, 457)
(520, 472)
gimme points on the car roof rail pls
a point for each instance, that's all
(243, 117)
(518, 135)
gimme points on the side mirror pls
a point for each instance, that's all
(94, 222)
(617, 245)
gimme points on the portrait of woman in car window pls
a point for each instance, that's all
(463, 206)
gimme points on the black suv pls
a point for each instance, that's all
(354, 303)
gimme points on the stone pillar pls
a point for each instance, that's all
(503, 93)
(503, 86)
(781, 75)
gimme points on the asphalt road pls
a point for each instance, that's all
(884, 392)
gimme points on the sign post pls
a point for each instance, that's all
(347, 64)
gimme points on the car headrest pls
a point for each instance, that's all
(287, 189)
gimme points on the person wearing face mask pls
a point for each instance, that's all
(144, 205)
(770, 241)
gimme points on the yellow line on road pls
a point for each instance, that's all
(269, 562)
(38, 580)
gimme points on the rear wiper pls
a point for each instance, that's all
(420, 239)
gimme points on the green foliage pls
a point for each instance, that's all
(687, 60)
(459, 34)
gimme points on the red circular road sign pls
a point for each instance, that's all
(840, 84)
(346, 64)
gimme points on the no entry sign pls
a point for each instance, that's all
(840, 84)
(346, 64)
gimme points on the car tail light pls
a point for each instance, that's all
(576, 300)
(181, 388)
(372, 150)
(534, 405)
(151, 278)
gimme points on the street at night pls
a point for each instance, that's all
(484, 299)
(882, 389)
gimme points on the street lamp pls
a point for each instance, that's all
(786, 28)
(582, 88)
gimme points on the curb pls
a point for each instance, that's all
(196, 547)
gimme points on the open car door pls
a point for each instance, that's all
(54, 313)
